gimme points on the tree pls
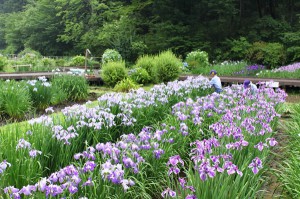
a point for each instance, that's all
(42, 27)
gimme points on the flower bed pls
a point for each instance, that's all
(291, 71)
(226, 132)
(59, 138)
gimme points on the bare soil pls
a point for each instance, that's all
(293, 98)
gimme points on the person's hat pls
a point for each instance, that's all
(213, 72)
(246, 83)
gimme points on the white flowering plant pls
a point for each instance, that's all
(197, 59)
(111, 55)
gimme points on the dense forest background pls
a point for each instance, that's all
(223, 28)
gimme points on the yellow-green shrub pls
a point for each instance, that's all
(113, 72)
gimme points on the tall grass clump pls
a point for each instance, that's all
(167, 66)
(75, 87)
(40, 92)
(113, 72)
(15, 99)
(58, 96)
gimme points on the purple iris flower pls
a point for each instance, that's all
(168, 192)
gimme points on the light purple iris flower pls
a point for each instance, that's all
(256, 164)
(168, 192)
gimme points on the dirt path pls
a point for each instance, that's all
(293, 98)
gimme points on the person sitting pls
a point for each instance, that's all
(215, 81)
(249, 85)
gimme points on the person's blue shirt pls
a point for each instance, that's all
(216, 83)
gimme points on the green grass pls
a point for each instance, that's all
(289, 170)
(281, 74)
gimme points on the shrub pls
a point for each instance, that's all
(40, 92)
(78, 61)
(28, 56)
(113, 72)
(269, 54)
(111, 55)
(60, 62)
(292, 42)
(45, 64)
(238, 48)
(15, 99)
(92, 63)
(197, 59)
(75, 87)
(3, 62)
(125, 85)
(48, 62)
(28, 59)
(140, 75)
(29, 52)
(147, 62)
(137, 49)
(167, 66)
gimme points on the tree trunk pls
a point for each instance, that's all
(291, 10)
(272, 8)
(259, 8)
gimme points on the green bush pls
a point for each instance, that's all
(28, 56)
(111, 55)
(27, 59)
(15, 99)
(291, 40)
(238, 48)
(29, 52)
(47, 62)
(113, 72)
(92, 63)
(167, 66)
(78, 61)
(60, 62)
(137, 49)
(140, 75)
(3, 62)
(268, 54)
(125, 85)
(44, 64)
(75, 87)
(197, 59)
(147, 62)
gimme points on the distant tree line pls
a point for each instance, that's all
(226, 29)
